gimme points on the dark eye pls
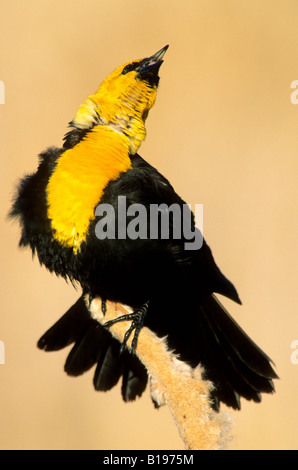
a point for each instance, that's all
(129, 67)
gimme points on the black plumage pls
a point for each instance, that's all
(180, 284)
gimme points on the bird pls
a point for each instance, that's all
(76, 214)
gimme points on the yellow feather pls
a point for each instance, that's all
(115, 116)
(121, 102)
(79, 179)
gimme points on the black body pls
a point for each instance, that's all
(179, 284)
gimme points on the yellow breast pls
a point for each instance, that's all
(79, 179)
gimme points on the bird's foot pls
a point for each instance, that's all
(104, 306)
(137, 317)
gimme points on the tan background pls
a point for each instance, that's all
(224, 131)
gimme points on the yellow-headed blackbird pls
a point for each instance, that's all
(77, 214)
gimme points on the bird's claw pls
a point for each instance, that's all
(137, 317)
(104, 306)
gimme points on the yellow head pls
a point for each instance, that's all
(124, 100)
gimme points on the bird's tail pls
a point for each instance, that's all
(93, 344)
(231, 360)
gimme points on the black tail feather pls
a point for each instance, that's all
(93, 344)
(67, 329)
(134, 378)
(86, 351)
(109, 367)
(231, 360)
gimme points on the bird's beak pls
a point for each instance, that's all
(148, 68)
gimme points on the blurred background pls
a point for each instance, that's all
(223, 131)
